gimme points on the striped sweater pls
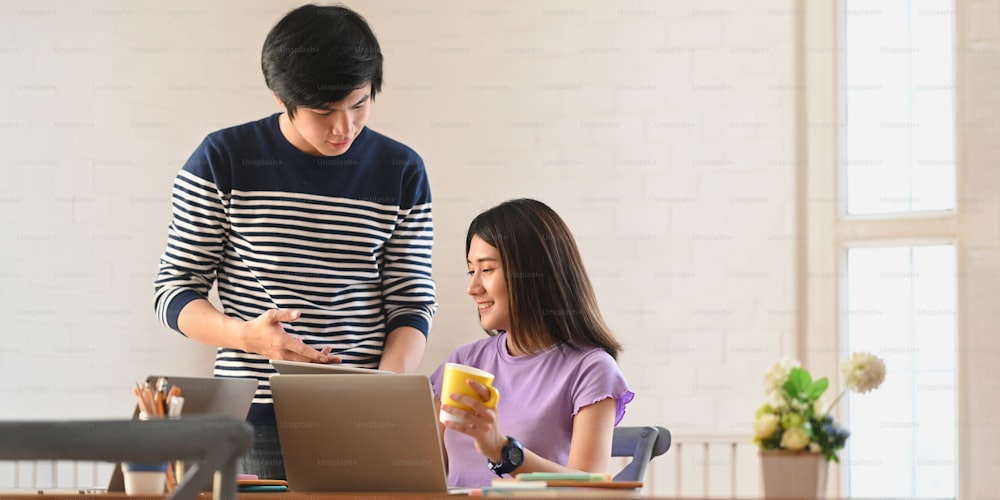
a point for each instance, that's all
(345, 239)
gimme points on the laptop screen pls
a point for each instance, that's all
(202, 396)
(212, 395)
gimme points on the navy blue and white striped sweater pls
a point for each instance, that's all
(345, 239)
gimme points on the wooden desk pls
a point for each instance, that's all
(291, 495)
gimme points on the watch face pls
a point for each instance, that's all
(516, 456)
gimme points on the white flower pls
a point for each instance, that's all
(776, 400)
(818, 407)
(777, 375)
(799, 406)
(862, 372)
(765, 426)
(794, 438)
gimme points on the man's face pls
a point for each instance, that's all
(330, 131)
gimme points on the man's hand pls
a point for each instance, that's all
(266, 337)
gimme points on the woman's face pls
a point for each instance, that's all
(487, 285)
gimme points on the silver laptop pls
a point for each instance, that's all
(212, 395)
(359, 433)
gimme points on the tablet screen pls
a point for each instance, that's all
(300, 367)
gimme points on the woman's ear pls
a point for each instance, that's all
(278, 100)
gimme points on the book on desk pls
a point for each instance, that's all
(559, 484)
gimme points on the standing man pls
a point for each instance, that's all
(316, 229)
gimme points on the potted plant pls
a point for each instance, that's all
(796, 434)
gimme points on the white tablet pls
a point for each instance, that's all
(304, 368)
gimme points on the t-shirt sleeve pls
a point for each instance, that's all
(600, 378)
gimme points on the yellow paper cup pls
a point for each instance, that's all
(454, 382)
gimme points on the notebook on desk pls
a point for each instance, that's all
(359, 433)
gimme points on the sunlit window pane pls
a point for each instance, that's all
(899, 140)
(901, 305)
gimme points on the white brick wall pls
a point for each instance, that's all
(661, 131)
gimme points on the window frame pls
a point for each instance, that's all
(828, 230)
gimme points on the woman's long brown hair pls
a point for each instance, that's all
(548, 291)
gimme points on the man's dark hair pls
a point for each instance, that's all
(317, 55)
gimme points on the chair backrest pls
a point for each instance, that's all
(642, 443)
(216, 442)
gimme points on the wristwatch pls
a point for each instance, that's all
(511, 457)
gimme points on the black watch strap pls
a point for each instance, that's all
(511, 457)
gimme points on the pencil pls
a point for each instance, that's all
(171, 481)
(161, 397)
(140, 400)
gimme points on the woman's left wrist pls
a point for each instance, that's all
(511, 458)
(495, 452)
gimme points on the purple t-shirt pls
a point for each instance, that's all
(539, 395)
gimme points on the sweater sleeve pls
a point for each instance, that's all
(408, 289)
(195, 238)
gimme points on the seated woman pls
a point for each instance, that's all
(561, 392)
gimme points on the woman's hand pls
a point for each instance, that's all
(479, 423)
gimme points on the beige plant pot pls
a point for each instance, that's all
(793, 474)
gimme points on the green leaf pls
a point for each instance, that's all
(798, 382)
(817, 388)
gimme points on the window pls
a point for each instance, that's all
(899, 293)
(901, 217)
(900, 305)
(899, 145)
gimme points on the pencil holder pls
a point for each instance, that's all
(174, 472)
(145, 478)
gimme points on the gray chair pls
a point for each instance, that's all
(642, 444)
(212, 443)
